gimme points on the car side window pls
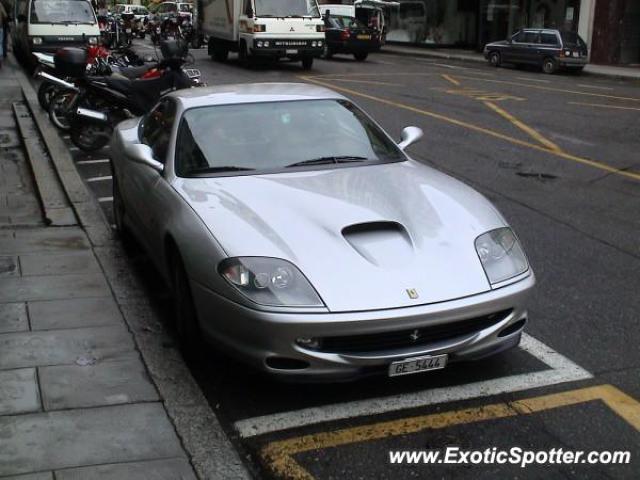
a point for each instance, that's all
(189, 157)
(549, 39)
(531, 37)
(518, 37)
(157, 126)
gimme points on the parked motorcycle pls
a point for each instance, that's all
(102, 102)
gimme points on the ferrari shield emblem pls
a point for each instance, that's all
(413, 293)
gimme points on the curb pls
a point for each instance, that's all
(469, 59)
(205, 442)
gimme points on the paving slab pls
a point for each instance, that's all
(63, 347)
(111, 382)
(53, 287)
(43, 240)
(74, 313)
(13, 317)
(19, 391)
(8, 266)
(169, 469)
(59, 264)
(58, 440)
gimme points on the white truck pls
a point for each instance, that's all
(263, 29)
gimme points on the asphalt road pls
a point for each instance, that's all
(558, 155)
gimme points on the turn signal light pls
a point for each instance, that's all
(345, 34)
(259, 28)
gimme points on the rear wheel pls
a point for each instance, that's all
(495, 59)
(549, 65)
(187, 325)
(46, 92)
(59, 107)
(307, 63)
(361, 56)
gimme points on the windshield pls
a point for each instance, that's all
(185, 7)
(287, 8)
(62, 11)
(340, 21)
(267, 137)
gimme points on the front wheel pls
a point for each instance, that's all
(495, 59)
(90, 137)
(549, 65)
(360, 56)
(307, 63)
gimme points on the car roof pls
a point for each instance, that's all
(252, 93)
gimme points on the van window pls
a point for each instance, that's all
(62, 11)
(549, 39)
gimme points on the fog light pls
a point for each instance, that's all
(259, 44)
(320, 43)
(309, 342)
(37, 40)
(266, 43)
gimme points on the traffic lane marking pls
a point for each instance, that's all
(367, 82)
(585, 161)
(480, 94)
(278, 455)
(561, 370)
(603, 105)
(540, 80)
(552, 89)
(524, 127)
(596, 87)
(450, 79)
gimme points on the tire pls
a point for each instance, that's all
(360, 56)
(549, 65)
(243, 55)
(495, 59)
(187, 327)
(307, 63)
(327, 53)
(220, 54)
(58, 110)
(46, 91)
(90, 137)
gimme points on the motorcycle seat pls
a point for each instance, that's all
(132, 72)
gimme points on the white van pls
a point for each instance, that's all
(47, 25)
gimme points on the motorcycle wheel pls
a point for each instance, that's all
(46, 91)
(58, 110)
(90, 137)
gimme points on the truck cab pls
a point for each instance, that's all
(270, 29)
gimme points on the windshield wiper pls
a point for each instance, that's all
(326, 160)
(223, 168)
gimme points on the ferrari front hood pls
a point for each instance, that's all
(366, 237)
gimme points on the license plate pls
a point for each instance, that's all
(363, 37)
(417, 365)
(291, 51)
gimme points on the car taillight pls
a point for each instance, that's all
(345, 34)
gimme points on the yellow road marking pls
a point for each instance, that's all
(476, 128)
(278, 455)
(552, 89)
(369, 82)
(602, 105)
(449, 78)
(480, 94)
(524, 127)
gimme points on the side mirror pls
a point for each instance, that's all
(409, 136)
(141, 153)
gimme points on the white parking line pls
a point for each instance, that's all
(99, 179)
(92, 162)
(105, 199)
(597, 87)
(561, 370)
(530, 79)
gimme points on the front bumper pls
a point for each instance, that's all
(264, 338)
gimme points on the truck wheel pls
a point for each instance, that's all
(307, 63)
(361, 56)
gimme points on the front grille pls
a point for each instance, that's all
(409, 338)
(290, 43)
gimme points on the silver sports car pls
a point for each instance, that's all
(298, 235)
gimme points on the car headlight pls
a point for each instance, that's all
(501, 255)
(270, 281)
(93, 41)
(37, 40)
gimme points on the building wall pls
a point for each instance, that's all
(616, 32)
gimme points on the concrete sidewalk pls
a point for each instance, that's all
(473, 56)
(77, 401)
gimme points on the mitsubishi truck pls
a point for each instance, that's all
(267, 29)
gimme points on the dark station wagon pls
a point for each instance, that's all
(349, 35)
(549, 49)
